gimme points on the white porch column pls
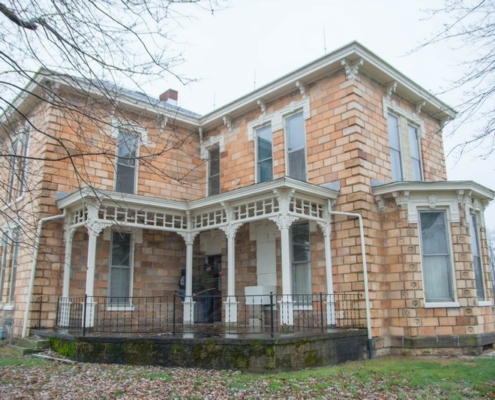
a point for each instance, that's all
(231, 301)
(284, 221)
(326, 228)
(94, 227)
(188, 304)
(65, 305)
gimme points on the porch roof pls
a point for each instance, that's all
(243, 205)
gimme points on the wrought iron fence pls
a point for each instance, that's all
(211, 315)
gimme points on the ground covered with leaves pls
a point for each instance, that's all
(394, 378)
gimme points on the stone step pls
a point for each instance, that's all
(33, 343)
(20, 351)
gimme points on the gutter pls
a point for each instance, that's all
(365, 277)
(33, 267)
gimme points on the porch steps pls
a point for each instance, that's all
(29, 345)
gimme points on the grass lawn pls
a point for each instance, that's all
(385, 378)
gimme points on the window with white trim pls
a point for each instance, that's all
(18, 164)
(213, 171)
(126, 168)
(264, 147)
(405, 149)
(10, 261)
(121, 264)
(301, 263)
(296, 146)
(477, 264)
(436, 256)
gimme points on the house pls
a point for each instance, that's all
(113, 193)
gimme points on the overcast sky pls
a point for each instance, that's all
(252, 42)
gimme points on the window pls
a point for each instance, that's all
(415, 153)
(437, 269)
(18, 164)
(478, 269)
(405, 149)
(120, 269)
(301, 263)
(394, 142)
(10, 260)
(265, 153)
(126, 171)
(296, 146)
(214, 171)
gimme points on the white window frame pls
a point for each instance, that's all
(411, 158)
(301, 305)
(257, 158)
(286, 137)
(10, 242)
(400, 150)
(476, 243)
(5, 249)
(136, 166)
(17, 175)
(413, 119)
(439, 304)
(128, 306)
(208, 170)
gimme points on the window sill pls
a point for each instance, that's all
(303, 308)
(8, 307)
(484, 303)
(120, 308)
(443, 304)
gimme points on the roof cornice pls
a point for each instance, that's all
(479, 191)
(328, 64)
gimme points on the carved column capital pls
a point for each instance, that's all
(326, 228)
(284, 221)
(231, 230)
(188, 237)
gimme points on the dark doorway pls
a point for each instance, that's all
(216, 262)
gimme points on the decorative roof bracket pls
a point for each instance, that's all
(351, 69)
(302, 88)
(262, 105)
(228, 122)
(390, 88)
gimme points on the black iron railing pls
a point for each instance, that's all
(212, 315)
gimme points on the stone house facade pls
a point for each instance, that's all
(270, 188)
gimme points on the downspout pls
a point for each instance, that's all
(365, 277)
(33, 267)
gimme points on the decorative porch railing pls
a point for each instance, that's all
(168, 315)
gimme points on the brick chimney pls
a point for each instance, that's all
(170, 96)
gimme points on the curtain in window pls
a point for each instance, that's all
(437, 272)
(126, 163)
(394, 143)
(265, 154)
(478, 271)
(296, 146)
(120, 272)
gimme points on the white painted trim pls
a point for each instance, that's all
(213, 141)
(131, 268)
(416, 202)
(448, 234)
(117, 308)
(441, 304)
(136, 167)
(484, 303)
(390, 106)
(131, 127)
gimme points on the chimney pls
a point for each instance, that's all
(170, 96)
